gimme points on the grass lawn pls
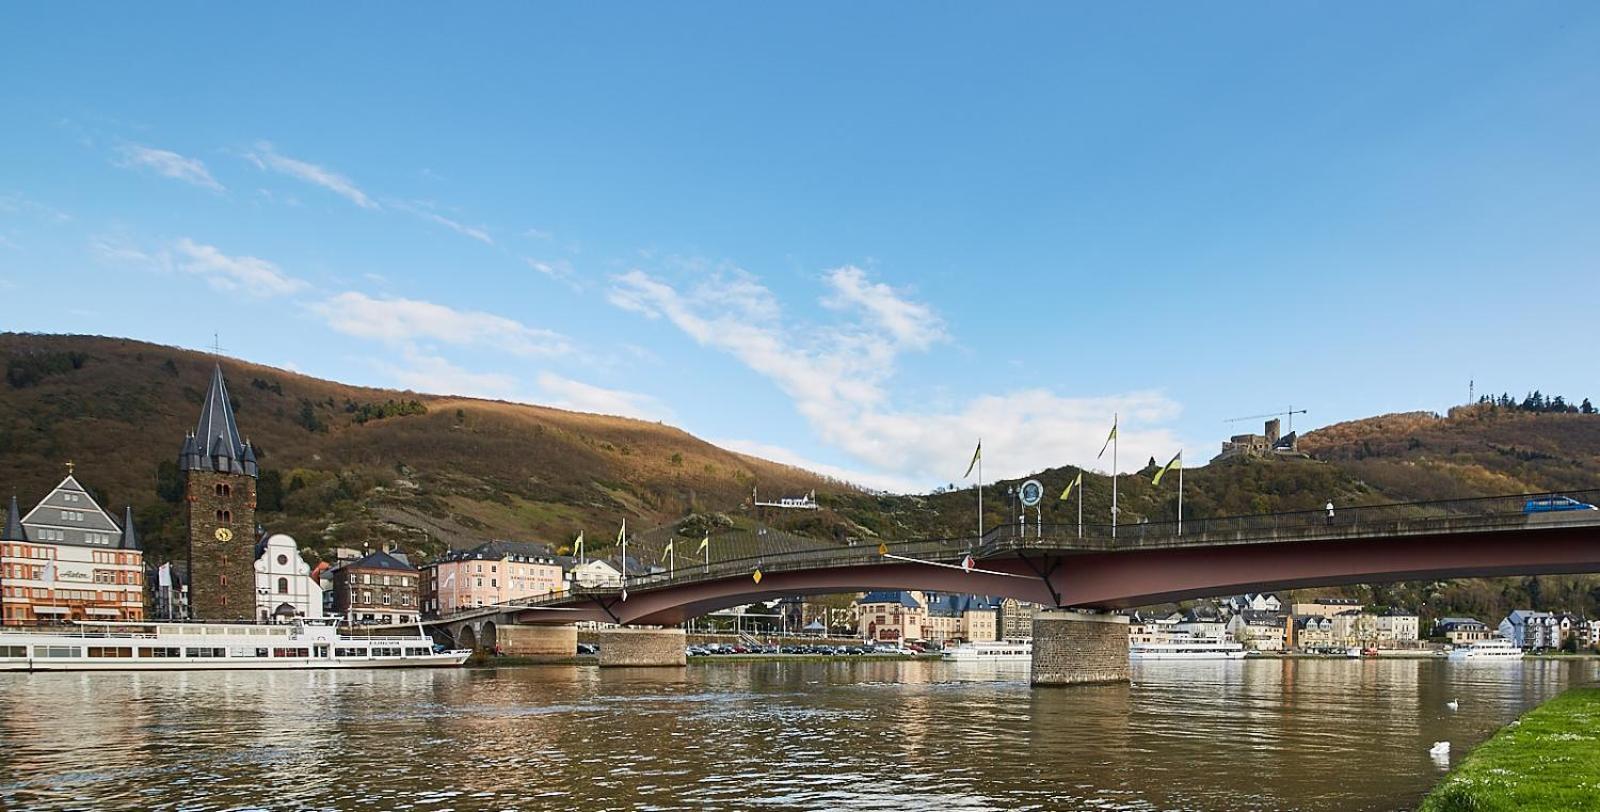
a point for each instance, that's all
(1548, 759)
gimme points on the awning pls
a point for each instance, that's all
(103, 612)
(49, 610)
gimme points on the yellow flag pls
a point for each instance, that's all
(577, 544)
(977, 454)
(704, 543)
(1109, 438)
(756, 576)
(1076, 483)
(667, 550)
(1176, 463)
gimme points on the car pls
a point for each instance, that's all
(1552, 504)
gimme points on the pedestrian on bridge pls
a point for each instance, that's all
(1330, 512)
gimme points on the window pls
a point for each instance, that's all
(13, 651)
(283, 586)
(110, 651)
(283, 560)
(205, 651)
(385, 599)
(349, 652)
(291, 652)
(58, 651)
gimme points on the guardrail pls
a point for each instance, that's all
(769, 550)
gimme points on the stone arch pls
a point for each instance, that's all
(488, 636)
(467, 637)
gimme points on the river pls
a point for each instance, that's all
(1257, 734)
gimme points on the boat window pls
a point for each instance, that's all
(57, 651)
(205, 651)
(349, 652)
(418, 652)
(159, 652)
(13, 651)
(291, 652)
(110, 651)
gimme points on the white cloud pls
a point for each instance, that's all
(266, 157)
(251, 275)
(869, 479)
(404, 322)
(565, 393)
(558, 269)
(838, 378)
(15, 203)
(428, 372)
(169, 164)
(425, 211)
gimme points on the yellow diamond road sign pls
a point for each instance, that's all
(756, 576)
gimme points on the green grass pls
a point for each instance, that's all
(1548, 759)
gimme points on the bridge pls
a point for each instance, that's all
(1080, 572)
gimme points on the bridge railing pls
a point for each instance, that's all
(743, 552)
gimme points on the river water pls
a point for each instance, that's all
(1257, 734)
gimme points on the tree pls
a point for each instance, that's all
(1587, 407)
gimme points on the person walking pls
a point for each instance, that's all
(1330, 512)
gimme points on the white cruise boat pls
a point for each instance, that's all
(1197, 648)
(304, 644)
(1495, 649)
(1001, 651)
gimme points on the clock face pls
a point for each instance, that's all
(224, 534)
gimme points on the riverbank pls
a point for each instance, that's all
(1548, 759)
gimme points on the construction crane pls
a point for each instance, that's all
(1289, 413)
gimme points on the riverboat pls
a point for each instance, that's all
(1191, 649)
(1495, 649)
(1006, 651)
(305, 644)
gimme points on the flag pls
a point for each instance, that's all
(704, 543)
(977, 454)
(449, 579)
(667, 550)
(623, 533)
(577, 544)
(1177, 462)
(1076, 483)
(1109, 438)
(624, 593)
(968, 563)
(48, 573)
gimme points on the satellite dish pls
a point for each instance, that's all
(1031, 492)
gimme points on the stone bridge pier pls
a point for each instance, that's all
(486, 635)
(626, 646)
(1079, 648)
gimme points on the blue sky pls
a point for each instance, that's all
(851, 238)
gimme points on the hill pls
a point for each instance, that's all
(354, 466)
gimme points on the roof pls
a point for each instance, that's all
(379, 560)
(13, 529)
(500, 550)
(70, 515)
(215, 444)
(130, 537)
(955, 604)
(891, 596)
(1460, 621)
(1252, 617)
(1302, 621)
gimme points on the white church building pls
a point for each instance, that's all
(284, 586)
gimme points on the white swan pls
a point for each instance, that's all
(1453, 705)
(1439, 749)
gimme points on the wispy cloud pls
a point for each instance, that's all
(266, 157)
(249, 275)
(405, 322)
(838, 377)
(558, 269)
(168, 164)
(429, 372)
(426, 212)
(16, 203)
(565, 393)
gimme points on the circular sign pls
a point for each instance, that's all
(224, 534)
(1032, 492)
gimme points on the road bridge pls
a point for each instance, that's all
(1099, 568)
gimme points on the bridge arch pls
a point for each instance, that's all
(467, 637)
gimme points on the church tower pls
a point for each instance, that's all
(220, 490)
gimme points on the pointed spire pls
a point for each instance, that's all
(14, 530)
(249, 460)
(130, 538)
(217, 446)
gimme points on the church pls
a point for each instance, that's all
(219, 471)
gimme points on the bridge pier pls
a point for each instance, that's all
(1079, 648)
(539, 642)
(641, 647)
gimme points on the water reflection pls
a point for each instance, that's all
(1257, 734)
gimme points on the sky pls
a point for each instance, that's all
(853, 237)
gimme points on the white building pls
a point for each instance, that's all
(592, 574)
(67, 559)
(1398, 626)
(1528, 629)
(284, 586)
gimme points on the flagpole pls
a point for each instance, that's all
(1180, 491)
(980, 491)
(1080, 503)
(624, 558)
